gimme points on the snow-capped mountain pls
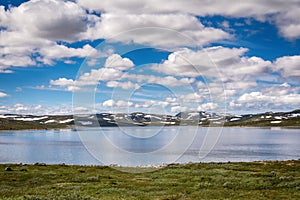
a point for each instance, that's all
(202, 118)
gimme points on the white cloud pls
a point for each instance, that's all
(109, 103)
(20, 108)
(117, 62)
(36, 27)
(288, 22)
(281, 97)
(124, 85)
(61, 51)
(241, 8)
(70, 62)
(18, 105)
(122, 103)
(240, 85)
(192, 97)
(158, 30)
(207, 106)
(285, 13)
(2, 94)
(153, 103)
(113, 103)
(39, 26)
(92, 62)
(62, 82)
(288, 65)
(102, 74)
(37, 107)
(168, 81)
(177, 109)
(12, 60)
(73, 88)
(230, 92)
(256, 97)
(88, 79)
(95, 75)
(218, 62)
(50, 19)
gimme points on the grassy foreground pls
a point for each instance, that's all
(255, 180)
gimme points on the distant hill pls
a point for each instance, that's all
(202, 118)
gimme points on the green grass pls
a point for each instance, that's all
(255, 180)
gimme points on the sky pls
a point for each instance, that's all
(79, 56)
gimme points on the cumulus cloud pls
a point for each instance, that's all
(113, 103)
(117, 62)
(207, 106)
(151, 104)
(177, 109)
(12, 60)
(168, 81)
(20, 108)
(241, 8)
(69, 84)
(289, 66)
(192, 97)
(91, 78)
(113, 70)
(221, 62)
(48, 19)
(61, 51)
(158, 30)
(285, 14)
(62, 82)
(288, 22)
(255, 97)
(124, 85)
(272, 97)
(36, 27)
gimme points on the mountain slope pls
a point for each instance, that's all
(268, 119)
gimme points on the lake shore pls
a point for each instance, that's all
(72, 128)
(232, 180)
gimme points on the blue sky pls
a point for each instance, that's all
(62, 57)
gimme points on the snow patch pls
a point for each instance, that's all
(234, 119)
(66, 121)
(50, 121)
(294, 115)
(172, 123)
(8, 116)
(275, 122)
(30, 119)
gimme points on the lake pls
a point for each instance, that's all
(135, 146)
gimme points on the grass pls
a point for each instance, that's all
(254, 180)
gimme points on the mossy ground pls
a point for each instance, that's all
(255, 180)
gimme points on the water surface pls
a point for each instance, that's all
(132, 146)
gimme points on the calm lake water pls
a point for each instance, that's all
(132, 146)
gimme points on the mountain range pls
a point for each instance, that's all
(202, 118)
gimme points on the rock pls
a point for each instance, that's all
(9, 169)
(227, 185)
(40, 164)
(273, 173)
